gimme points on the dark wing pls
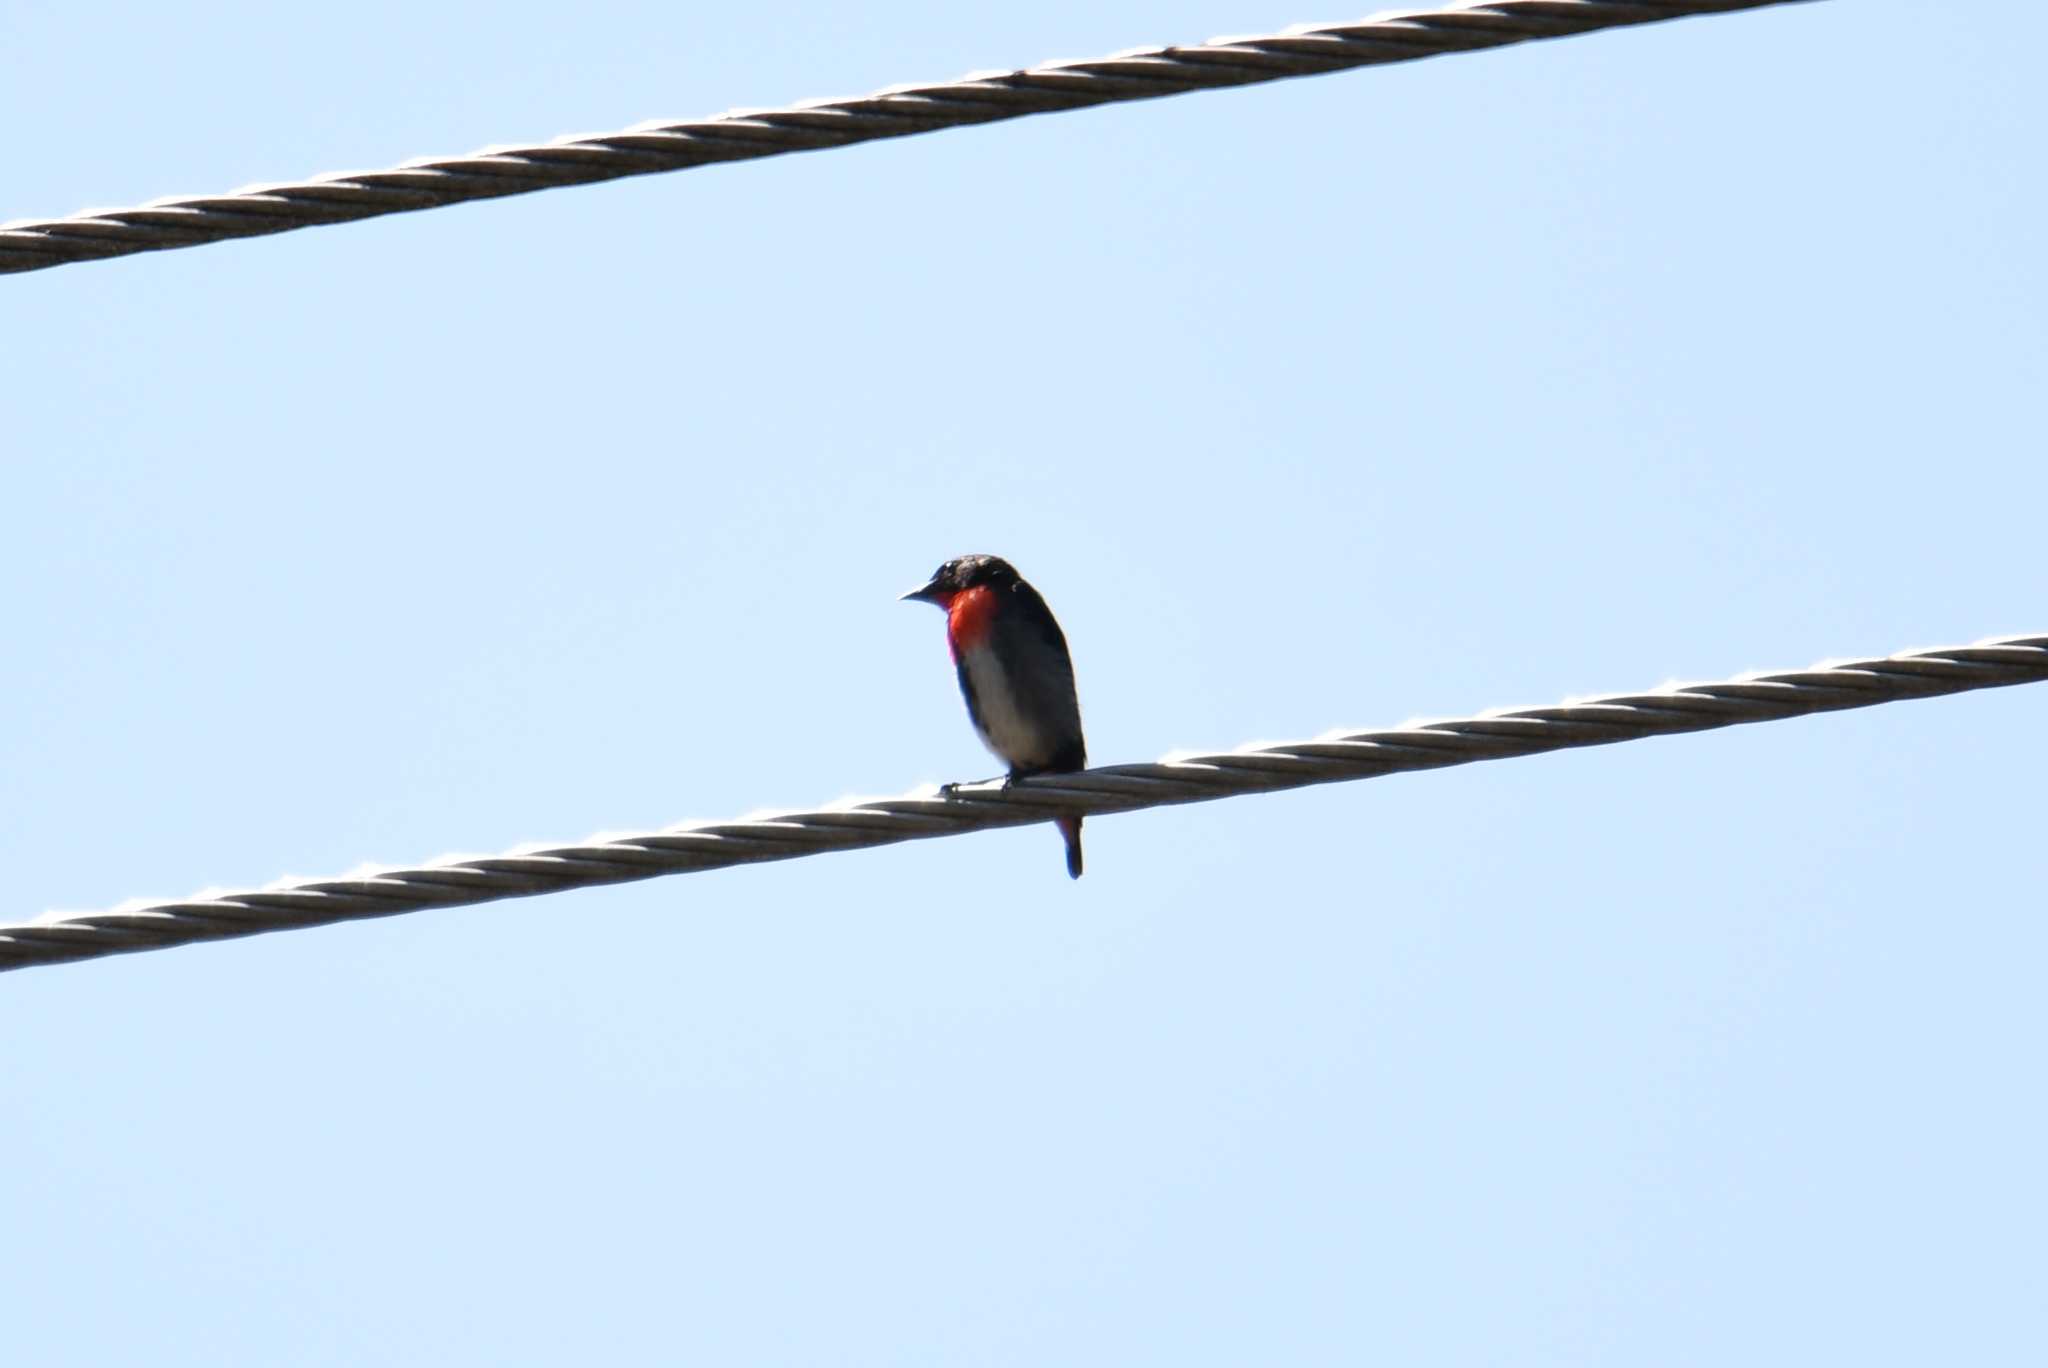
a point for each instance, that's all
(1043, 673)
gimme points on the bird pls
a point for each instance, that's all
(1015, 672)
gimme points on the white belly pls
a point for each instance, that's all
(1004, 727)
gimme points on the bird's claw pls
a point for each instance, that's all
(952, 790)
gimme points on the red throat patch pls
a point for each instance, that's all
(968, 615)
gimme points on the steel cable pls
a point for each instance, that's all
(529, 871)
(810, 125)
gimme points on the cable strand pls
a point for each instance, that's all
(813, 125)
(1677, 709)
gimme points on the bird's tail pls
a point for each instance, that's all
(1070, 828)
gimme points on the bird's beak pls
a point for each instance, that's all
(924, 593)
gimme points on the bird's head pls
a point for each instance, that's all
(959, 575)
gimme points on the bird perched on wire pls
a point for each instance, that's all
(1014, 671)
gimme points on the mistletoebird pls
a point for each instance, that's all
(1014, 671)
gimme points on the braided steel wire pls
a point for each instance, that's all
(1499, 735)
(743, 134)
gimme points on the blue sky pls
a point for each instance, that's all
(1574, 368)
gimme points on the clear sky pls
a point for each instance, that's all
(1573, 368)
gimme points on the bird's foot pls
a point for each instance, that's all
(952, 789)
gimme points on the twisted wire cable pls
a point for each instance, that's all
(1498, 735)
(742, 134)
